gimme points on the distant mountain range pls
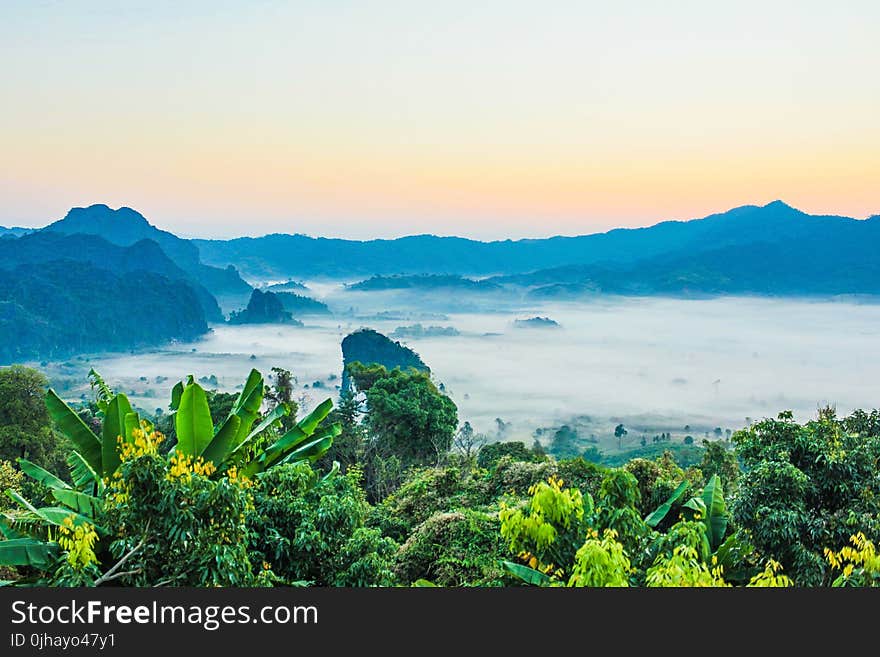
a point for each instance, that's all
(694, 248)
(14, 231)
(769, 250)
(126, 227)
(102, 279)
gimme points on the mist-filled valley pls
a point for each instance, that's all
(287, 410)
(657, 365)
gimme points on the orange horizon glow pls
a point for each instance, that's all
(499, 121)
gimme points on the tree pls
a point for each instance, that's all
(564, 442)
(349, 446)
(25, 428)
(807, 488)
(718, 459)
(619, 432)
(319, 531)
(467, 442)
(281, 392)
(407, 416)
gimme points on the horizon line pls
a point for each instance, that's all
(189, 236)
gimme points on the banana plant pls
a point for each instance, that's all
(226, 443)
(709, 507)
(96, 457)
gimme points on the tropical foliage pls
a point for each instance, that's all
(240, 490)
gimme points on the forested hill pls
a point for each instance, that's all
(13, 231)
(840, 262)
(299, 255)
(59, 308)
(126, 227)
(370, 347)
(144, 255)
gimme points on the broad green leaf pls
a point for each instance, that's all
(656, 517)
(247, 405)
(8, 531)
(220, 446)
(39, 474)
(271, 417)
(311, 421)
(312, 450)
(27, 552)
(697, 505)
(193, 421)
(80, 502)
(424, 583)
(132, 422)
(82, 474)
(54, 515)
(299, 433)
(114, 429)
(72, 426)
(16, 497)
(176, 393)
(716, 511)
(526, 574)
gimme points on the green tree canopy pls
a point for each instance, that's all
(407, 415)
(25, 429)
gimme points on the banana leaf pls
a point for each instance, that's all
(247, 405)
(314, 449)
(83, 504)
(54, 515)
(716, 511)
(103, 393)
(176, 394)
(221, 444)
(72, 426)
(526, 574)
(132, 422)
(272, 416)
(114, 428)
(299, 433)
(7, 530)
(193, 421)
(37, 473)
(334, 470)
(82, 474)
(656, 517)
(27, 552)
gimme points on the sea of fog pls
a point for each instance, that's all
(654, 364)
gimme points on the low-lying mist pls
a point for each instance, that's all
(654, 364)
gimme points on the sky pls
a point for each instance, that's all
(488, 119)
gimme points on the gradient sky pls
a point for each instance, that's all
(486, 119)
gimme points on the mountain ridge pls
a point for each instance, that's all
(126, 226)
(292, 255)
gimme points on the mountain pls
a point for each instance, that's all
(263, 308)
(125, 227)
(298, 255)
(369, 347)
(44, 315)
(145, 255)
(789, 253)
(300, 305)
(14, 231)
(423, 282)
